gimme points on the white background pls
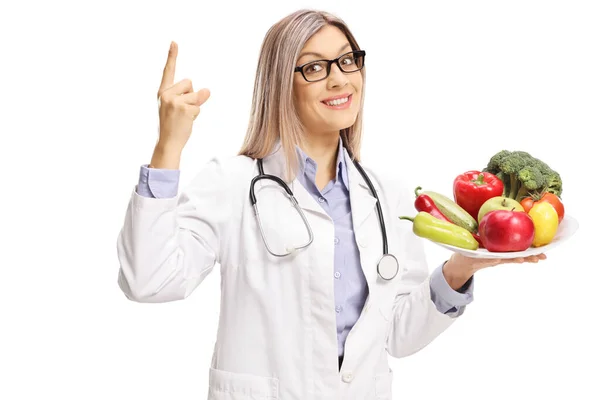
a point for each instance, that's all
(449, 84)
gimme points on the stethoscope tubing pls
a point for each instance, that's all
(280, 182)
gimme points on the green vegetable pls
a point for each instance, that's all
(429, 227)
(523, 175)
(452, 211)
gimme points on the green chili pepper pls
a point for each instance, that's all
(429, 227)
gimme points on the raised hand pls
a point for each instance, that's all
(179, 106)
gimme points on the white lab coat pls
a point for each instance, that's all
(277, 331)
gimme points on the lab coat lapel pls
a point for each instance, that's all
(362, 201)
(364, 220)
(306, 201)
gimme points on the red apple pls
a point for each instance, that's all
(506, 230)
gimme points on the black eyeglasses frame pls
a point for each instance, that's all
(359, 53)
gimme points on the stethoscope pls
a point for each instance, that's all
(387, 267)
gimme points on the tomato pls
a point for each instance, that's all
(554, 200)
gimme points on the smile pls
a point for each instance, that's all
(338, 104)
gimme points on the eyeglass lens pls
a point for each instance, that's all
(350, 62)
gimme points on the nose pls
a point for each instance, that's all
(336, 77)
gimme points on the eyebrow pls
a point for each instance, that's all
(311, 53)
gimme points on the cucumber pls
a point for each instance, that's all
(453, 211)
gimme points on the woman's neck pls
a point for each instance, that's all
(323, 150)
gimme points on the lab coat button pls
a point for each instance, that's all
(321, 200)
(347, 377)
(337, 275)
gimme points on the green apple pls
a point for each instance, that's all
(499, 203)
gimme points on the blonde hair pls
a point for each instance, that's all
(273, 116)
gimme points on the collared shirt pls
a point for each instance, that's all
(350, 286)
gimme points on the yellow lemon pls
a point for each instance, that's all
(545, 222)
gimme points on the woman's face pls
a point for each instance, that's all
(310, 97)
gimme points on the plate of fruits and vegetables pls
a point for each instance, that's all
(512, 208)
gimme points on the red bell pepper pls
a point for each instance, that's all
(425, 203)
(473, 188)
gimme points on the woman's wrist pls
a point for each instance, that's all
(166, 157)
(457, 273)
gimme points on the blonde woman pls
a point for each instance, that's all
(315, 294)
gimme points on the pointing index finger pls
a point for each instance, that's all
(169, 71)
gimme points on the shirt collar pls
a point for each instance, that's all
(342, 170)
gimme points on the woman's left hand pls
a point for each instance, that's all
(459, 268)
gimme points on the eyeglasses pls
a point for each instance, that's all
(314, 71)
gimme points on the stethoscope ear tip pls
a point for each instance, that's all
(291, 250)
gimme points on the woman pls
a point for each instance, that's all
(318, 322)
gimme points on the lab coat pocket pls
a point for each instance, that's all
(383, 385)
(225, 385)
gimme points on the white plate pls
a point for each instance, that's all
(566, 229)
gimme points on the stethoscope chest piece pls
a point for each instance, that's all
(388, 267)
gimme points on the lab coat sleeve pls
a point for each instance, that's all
(416, 320)
(167, 246)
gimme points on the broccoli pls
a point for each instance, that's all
(523, 175)
(494, 163)
(554, 183)
(531, 179)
